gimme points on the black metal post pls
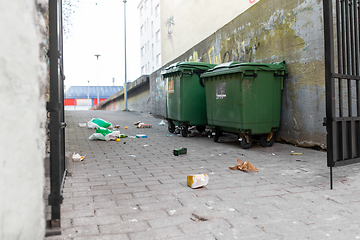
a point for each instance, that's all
(56, 108)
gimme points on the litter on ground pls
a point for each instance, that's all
(77, 157)
(98, 122)
(196, 181)
(244, 166)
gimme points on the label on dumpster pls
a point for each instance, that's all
(171, 87)
(221, 90)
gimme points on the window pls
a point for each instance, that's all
(142, 51)
(158, 60)
(156, 10)
(141, 11)
(152, 29)
(141, 30)
(147, 22)
(152, 52)
(148, 46)
(158, 36)
(142, 70)
(151, 8)
(145, 4)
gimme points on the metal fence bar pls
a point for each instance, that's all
(56, 108)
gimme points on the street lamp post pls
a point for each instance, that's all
(97, 58)
(125, 89)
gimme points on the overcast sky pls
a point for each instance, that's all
(98, 28)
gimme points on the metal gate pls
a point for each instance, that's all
(55, 107)
(341, 31)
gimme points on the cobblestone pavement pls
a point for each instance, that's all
(136, 188)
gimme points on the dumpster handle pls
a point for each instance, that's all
(280, 75)
(250, 75)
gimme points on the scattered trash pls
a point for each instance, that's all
(117, 126)
(146, 145)
(196, 181)
(272, 154)
(137, 123)
(77, 158)
(162, 123)
(118, 139)
(132, 137)
(126, 127)
(168, 135)
(172, 212)
(124, 142)
(141, 136)
(123, 136)
(105, 134)
(133, 220)
(143, 125)
(98, 122)
(179, 151)
(244, 166)
(82, 124)
(132, 155)
(294, 153)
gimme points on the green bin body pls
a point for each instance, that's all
(244, 98)
(185, 96)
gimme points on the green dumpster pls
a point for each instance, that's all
(245, 99)
(185, 96)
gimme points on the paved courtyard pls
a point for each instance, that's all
(136, 188)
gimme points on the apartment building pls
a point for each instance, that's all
(150, 35)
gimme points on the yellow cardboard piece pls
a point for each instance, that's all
(244, 166)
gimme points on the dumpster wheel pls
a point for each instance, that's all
(184, 130)
(246, 141)
(171, 126)
(218, 133)
(267, 140)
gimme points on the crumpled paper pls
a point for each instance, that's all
(244, 166)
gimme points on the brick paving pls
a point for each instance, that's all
(136, 189)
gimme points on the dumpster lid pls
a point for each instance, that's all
(236, 67)
(186, 66)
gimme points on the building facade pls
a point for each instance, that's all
(85, 97)
(150, 35)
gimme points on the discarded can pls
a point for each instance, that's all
(179, 151)
(293, 153)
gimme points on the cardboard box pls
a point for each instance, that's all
(196, 181)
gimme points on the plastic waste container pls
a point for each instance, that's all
(245, 99)
(185, 96)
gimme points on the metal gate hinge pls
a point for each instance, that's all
(324, 121)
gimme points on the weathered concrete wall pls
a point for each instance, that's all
(185, 23)
(276, 30)
(157, 89)
(138, 96)
(22, 146)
